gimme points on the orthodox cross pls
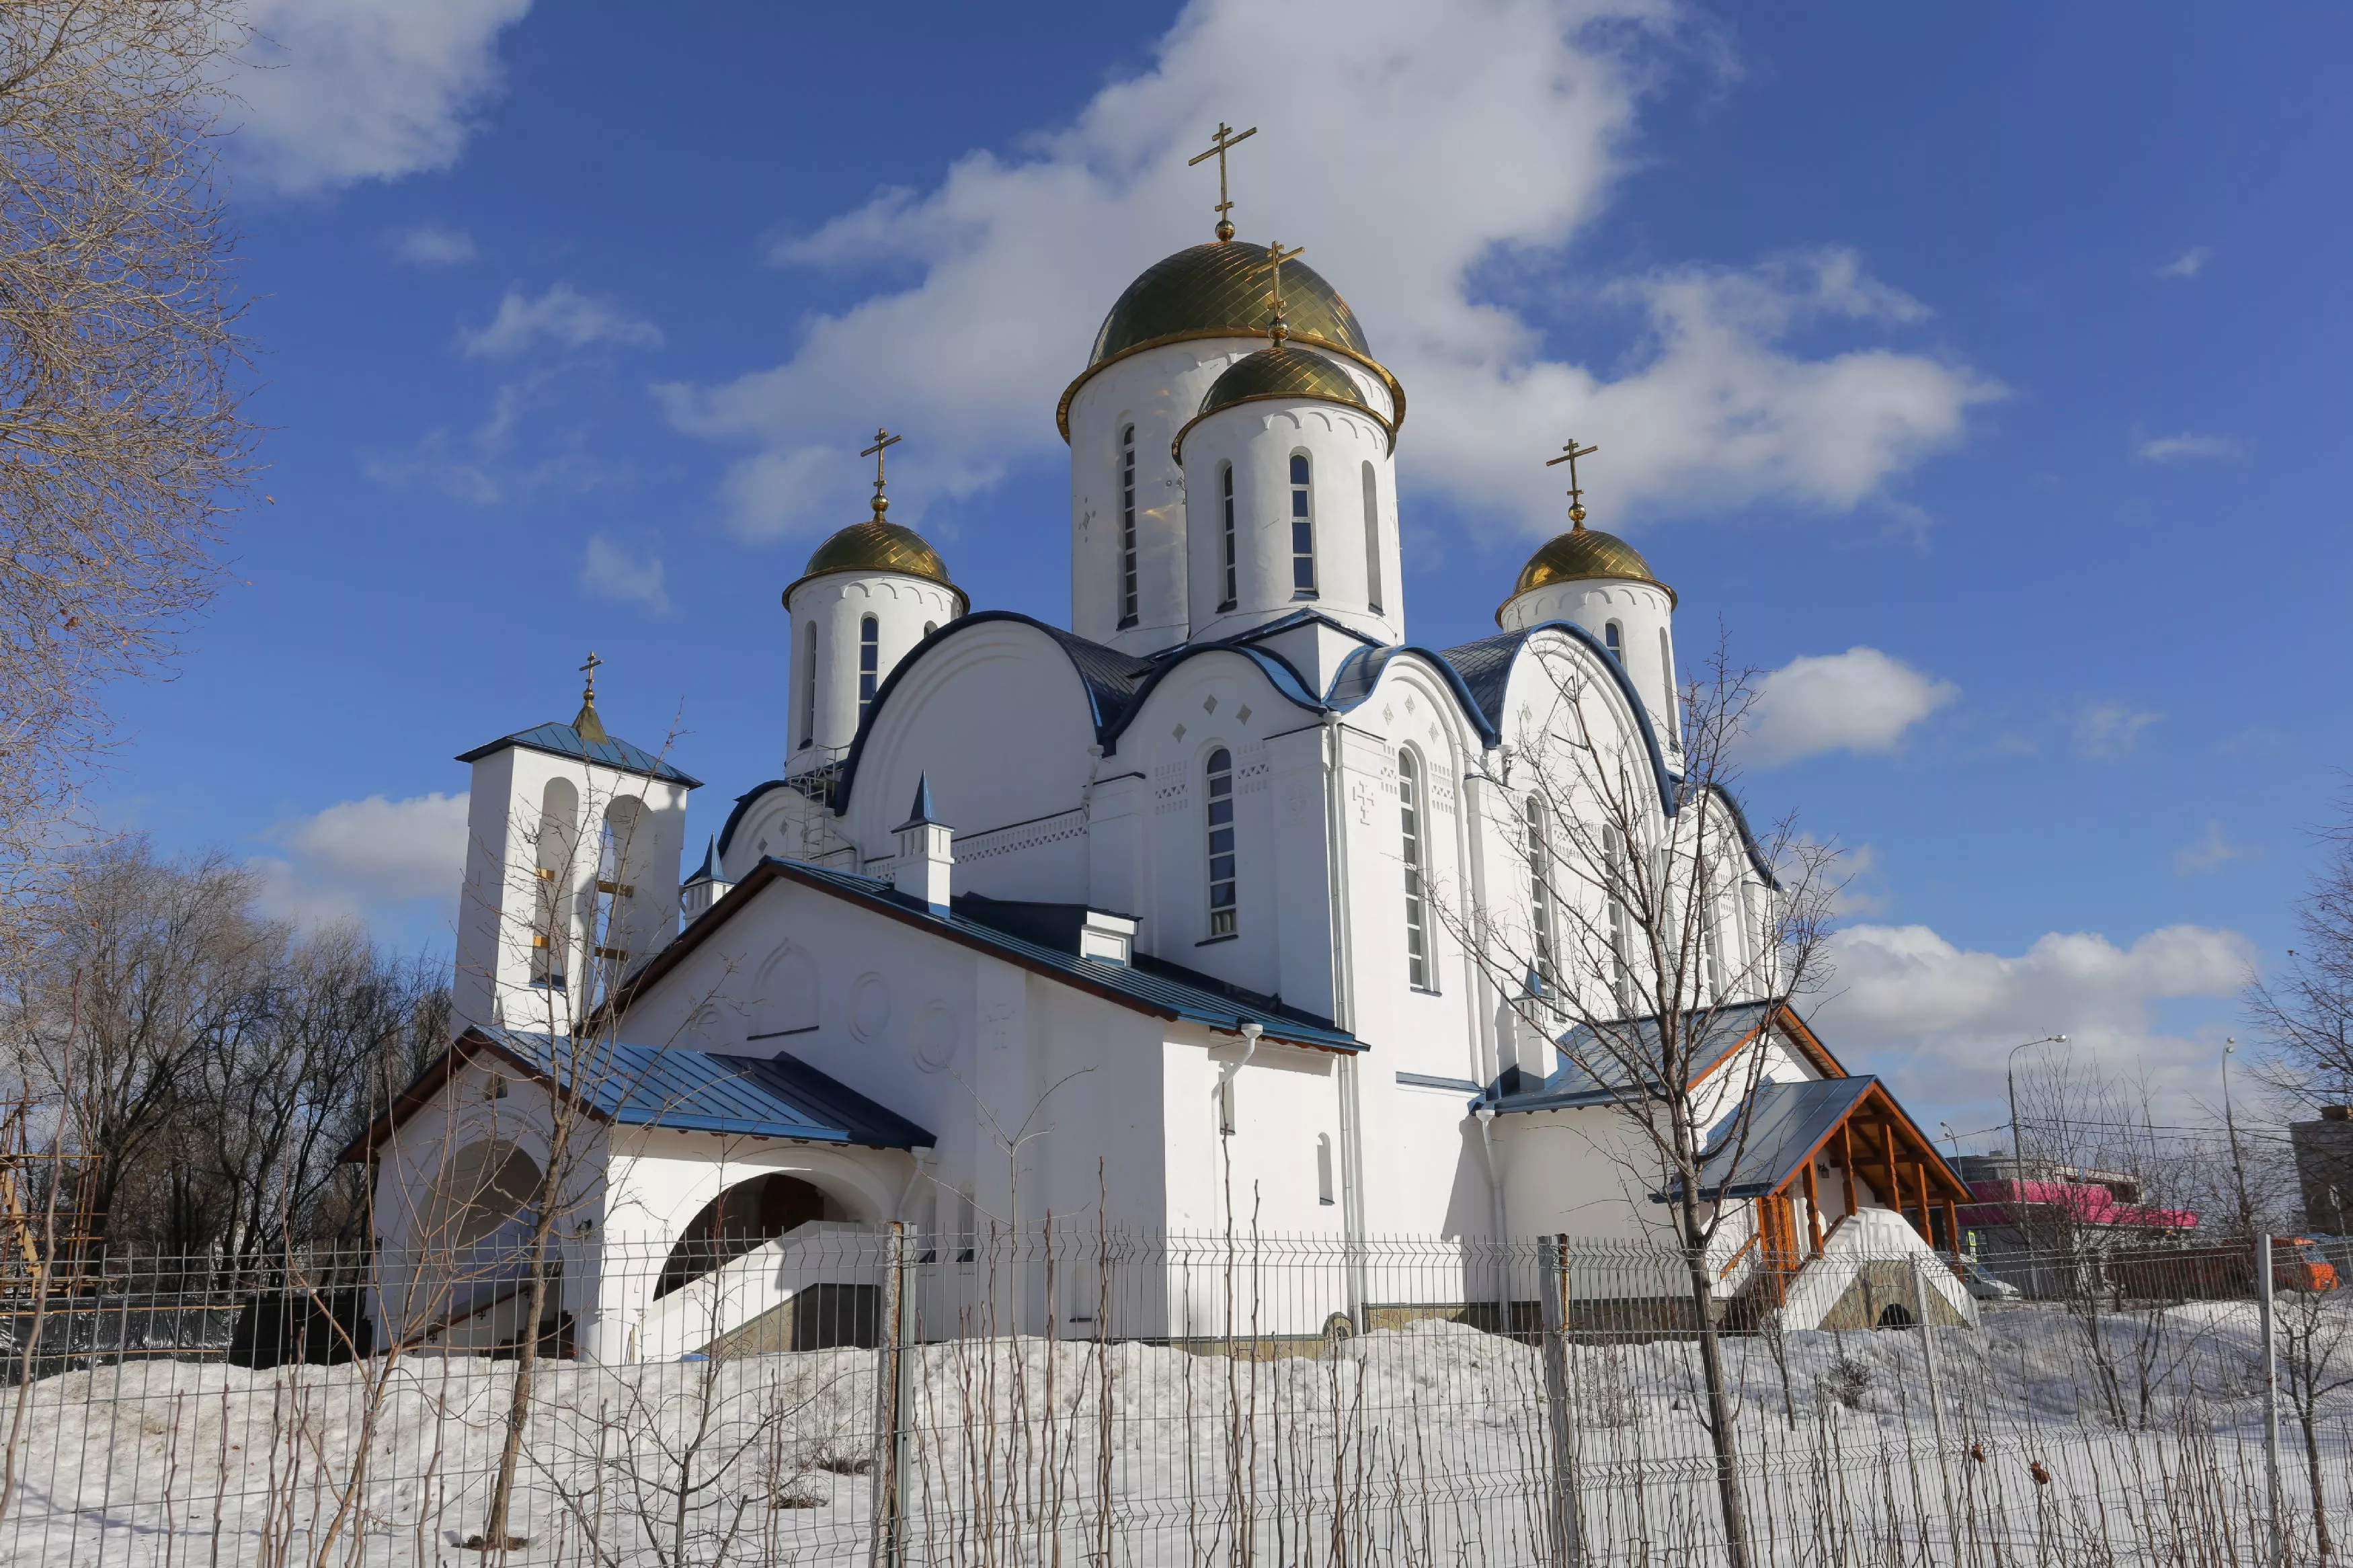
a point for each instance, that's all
(1569, 453)
(1276, 328)
(884, 442)
(589, 669)
(1224, 140)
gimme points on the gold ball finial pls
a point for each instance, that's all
(1577, 516)
(1225, 229)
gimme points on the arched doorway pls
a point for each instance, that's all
(483, 1187)
(739, 1219)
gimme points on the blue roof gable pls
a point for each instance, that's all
(564, 741)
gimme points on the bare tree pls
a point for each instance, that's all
(2306, 1014)
(121, 444)
(1648, 910)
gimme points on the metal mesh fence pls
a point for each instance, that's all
(1082, 1397)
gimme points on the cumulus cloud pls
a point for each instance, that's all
(612, 571)
(2210, 852)
(341, 90)
(562, 317)
(1943, 1016)
(2189, 449)
(433, 245)
(2110, 728)
(2189, 264)
(1430, 144)
(1859, 700)
(364, 857)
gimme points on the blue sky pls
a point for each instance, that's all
(2006, 345)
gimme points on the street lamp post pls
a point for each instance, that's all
(2230, 1126)
(2010, 1073)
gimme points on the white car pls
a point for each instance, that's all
(1979, 1284)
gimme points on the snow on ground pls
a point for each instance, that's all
(1429, 1443)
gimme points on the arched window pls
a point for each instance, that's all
(1540, 920)
(1302, 528)
(1613, 638)
(1620, 869)
(1667, 684)
(1230, 574)
(870, 663)
(1129, 597)
(931, 626)
(1417, 935)
(1372, 541)
(618, 857)
(551, 934)
(808, 686)
(1222, 842)
(1324, 1167)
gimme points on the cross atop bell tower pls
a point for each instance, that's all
(1224, 141)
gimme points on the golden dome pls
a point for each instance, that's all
(874, 546)
(1584, 552)
(1223, 289)
(1283, 373)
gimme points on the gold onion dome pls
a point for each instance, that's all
(1222, 289)
(1584, 552)
(876, 546)
(1283, 374)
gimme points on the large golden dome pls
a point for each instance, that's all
(1584, 552)
(875, 545)
(1283, 373)
(1225, 289)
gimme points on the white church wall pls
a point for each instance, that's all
(1157, 392)
(998, 721)
(1588, 1172)
(837, 607)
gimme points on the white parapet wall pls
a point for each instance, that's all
(1864, 1237)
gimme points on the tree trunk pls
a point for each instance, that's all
(1719, 1402)
(2303, 1419)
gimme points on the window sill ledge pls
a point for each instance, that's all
(1212, 942)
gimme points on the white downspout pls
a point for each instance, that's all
(1344, 1011)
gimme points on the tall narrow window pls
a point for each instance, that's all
(1129, 596)
(931, 626)
(1302, 528)
(1667, 685)
(1324, 1167)
(1372, 541)
(1540, 920)
(870, 664)
(1613, 638)
(1222, 842)
(1714, 951)
(808, 686)
(1618, 870)
(1417, 935)
(1231, 569)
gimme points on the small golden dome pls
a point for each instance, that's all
(874, 546)
(1584, 552)
(1283, 374)
(1223, 289)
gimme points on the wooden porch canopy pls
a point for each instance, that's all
(1865, 1137)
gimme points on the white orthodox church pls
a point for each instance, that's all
(1124, 919)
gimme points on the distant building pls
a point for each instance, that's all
(2324, 1168)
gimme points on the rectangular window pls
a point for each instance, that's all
(1372, 541)
(1417, 936)
(1222, 842)
(1130, 594)
(1232, 570)
(1540, 894)
(1323, 1168)
(809, 687)
(1302, 528)
(870, 664)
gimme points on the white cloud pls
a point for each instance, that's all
(2210, 852)
(612, 572)
(365, 856)
(564, 317)
(1429, 142)
(1943, 1016)
(432, 244)
(358, 89)
(2110, 728)
(2186, 448)
(1859, 700)
(2189, 264)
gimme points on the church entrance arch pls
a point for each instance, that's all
(743, 1216)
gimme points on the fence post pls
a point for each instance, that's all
(1920, 1296)
(1567, 1548)
(890, 1405)
(2278, 1555)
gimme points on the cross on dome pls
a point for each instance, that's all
(1569, 453)
(1225, 139)
(589, 726)
(884, 442)
(1276, 327)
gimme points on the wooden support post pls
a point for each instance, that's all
(1846, 1161)
(1952, 1227)
(1894, 1194)
(1920, 1180)
(1813, 1207)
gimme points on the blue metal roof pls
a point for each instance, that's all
(705, 1091)
(564, 741)
(1591, 1072)
(1751, 1156)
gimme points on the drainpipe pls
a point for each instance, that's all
(924, 1158)
(1232, 1069)
(1485, 1115)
